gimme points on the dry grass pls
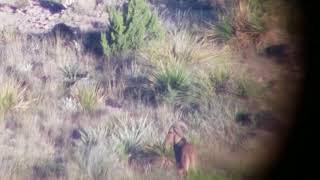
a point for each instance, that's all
(179, 46)
(17, 3)
(12, 96)
(88, 95)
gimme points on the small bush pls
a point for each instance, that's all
(131, 28)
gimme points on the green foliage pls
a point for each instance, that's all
(118, 32)
(104, 43)
(222, 31)
(132, 28)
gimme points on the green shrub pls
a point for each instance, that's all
(131, 28)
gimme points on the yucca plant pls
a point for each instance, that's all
(171, 78)
(131, 133)
(221, 32)
(71, 73)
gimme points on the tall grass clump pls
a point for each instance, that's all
(248, 17)
(131, 28)
(170, 80)
(221, 32)
(243, 24)
(12, 95)
(88, 95)
(196, 98)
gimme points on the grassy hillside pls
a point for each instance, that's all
(69, 113)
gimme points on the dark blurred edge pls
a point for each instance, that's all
(298, 158)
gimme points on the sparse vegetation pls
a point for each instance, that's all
(222, 31)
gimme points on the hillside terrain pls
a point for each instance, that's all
(89, 89)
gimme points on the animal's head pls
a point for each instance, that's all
(175, 133)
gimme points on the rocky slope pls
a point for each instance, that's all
(42, 16)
